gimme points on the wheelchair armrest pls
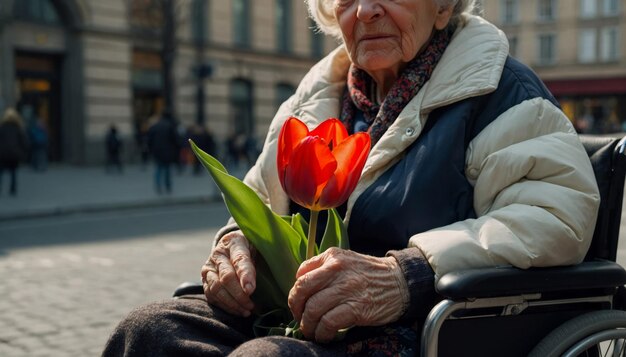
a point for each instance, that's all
(188, 288)
(503, 281)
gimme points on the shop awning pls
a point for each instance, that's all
(577, 87)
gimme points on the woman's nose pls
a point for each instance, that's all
(369, 10)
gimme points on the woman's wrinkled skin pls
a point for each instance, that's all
(382, 36)
(340, 288)
(229, 276)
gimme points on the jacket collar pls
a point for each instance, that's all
(471, 65)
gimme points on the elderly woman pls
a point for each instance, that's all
(472, 165)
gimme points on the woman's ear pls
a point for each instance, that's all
(443, 17)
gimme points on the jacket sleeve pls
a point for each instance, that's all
(535, 196)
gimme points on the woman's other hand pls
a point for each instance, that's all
(341, 288)
(229, 276)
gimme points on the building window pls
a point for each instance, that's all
(42, 11)
(198, 21)
(547, 44)
(283, 25)
(241, 106)
(546, 10)
(317, 40)
(510, 11)
(588, 8)
(609, 44)
(283, 92)
(147, 70)
(146, 15)
(147, 86)
(610, 7)
(513, 44)
(587, 46)
(241, 23)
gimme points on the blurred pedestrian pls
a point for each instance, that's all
(38, 136)
(163, 142)
(204, 140)
(13, 146)
(113, 145)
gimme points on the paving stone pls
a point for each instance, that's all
(70, 306)
(13, 351)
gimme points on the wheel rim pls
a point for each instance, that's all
(614, 338)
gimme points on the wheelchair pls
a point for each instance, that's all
(538, 312)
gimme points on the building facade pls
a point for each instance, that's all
(84, 65)
(577, 48)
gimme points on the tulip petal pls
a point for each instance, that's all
(332, 131)
(292, 132)
(351, 155)
(310, 166)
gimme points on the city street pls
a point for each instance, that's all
(66, 281)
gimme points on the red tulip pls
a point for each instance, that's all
(320, 169)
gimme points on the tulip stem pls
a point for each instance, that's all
(310, 248)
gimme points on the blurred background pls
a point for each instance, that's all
(91, 228)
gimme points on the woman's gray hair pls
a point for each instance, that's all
(322, 12)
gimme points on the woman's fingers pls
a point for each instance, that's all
(342, 316)
(229, 280)
(306, 285)
(229, 276)
(217, 295)
(310, 264)
(241, 259)
(318, 306)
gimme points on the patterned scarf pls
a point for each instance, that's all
(380, 116)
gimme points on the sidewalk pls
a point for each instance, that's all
(65, 189)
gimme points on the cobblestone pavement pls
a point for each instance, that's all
(64, 300)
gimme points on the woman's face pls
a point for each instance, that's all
(386, 34)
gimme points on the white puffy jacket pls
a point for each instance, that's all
(535, 194)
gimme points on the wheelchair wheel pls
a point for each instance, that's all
(598, 333)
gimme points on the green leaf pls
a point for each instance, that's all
(300, 224)
(267, 296)
(336, 234)
(271, 323)
(271, 235)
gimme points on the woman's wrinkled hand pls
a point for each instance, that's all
(229, 276)
(341, 288)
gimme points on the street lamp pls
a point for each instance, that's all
(201, 71)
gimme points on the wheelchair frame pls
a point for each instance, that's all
(510, 291)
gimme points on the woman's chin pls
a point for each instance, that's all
(378, 63)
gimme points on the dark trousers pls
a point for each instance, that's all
(113, 163)
(190, 327)
(12, 178)
(163, 177)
